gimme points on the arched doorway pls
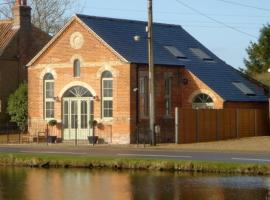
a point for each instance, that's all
(77, 106)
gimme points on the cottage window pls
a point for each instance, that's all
(168, 95)
(77, 68)
(202, 101)
(48, 96)
(107, 94)
(143, 95)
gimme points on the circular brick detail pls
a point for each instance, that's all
(76, 40)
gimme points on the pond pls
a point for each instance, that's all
(80, 184)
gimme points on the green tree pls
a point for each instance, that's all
(17, 106)
(259, 53)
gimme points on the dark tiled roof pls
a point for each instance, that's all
(119, 34)
(6, 33)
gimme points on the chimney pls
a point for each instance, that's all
(22, 22)
(21, 15)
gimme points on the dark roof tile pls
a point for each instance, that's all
(119, 34)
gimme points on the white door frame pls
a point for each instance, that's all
(70, 132)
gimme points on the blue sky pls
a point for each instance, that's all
(228, 44)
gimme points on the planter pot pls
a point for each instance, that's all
(52, 139)
(90, 139)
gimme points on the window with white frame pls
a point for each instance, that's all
(202, 101)
(143, 95)
(77, 68)
(107, 94)
(168, 95)
(48, 96)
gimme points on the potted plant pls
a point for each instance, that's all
(93, 139)
(52, 122)
(52, 139)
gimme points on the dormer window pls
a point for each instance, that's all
(201, 54)
(176, 52)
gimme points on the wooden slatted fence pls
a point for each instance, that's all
(212, 125)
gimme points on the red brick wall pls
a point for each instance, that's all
(161, 118)
(95, 57)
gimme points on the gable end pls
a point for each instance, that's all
(75, 18)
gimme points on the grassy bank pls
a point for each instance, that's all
(57, 161)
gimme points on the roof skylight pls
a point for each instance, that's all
(201, 54)
(243, 88)
(175, 52)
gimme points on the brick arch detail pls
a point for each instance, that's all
(48, 70)
(76, 56)
(195, 93)
(76, 83)
(114, 72)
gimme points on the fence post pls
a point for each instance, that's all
(137, 135)
(176, 125)
(197, 126)
(255, 122)
(7, 132)
(19, 137)
(217, 126)
(237, 123)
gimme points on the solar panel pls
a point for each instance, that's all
(176, 52)
(201, 54)
(243, 88)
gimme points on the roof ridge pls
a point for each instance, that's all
(126, 20)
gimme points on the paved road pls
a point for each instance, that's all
(138, 153)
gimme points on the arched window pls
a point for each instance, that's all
(48, 96)
(77, 68)
(202, 101)
(107, 94)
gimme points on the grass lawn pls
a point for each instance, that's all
(57, 161)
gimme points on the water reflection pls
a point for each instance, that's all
(38, 184)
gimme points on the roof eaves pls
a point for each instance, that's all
(101, 40)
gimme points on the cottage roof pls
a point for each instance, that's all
(7, 32)
(176, 47)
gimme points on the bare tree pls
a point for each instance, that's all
(48, 15)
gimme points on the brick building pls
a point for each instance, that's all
(19, 42)
(95, 68)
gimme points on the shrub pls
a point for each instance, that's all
(17, 107)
